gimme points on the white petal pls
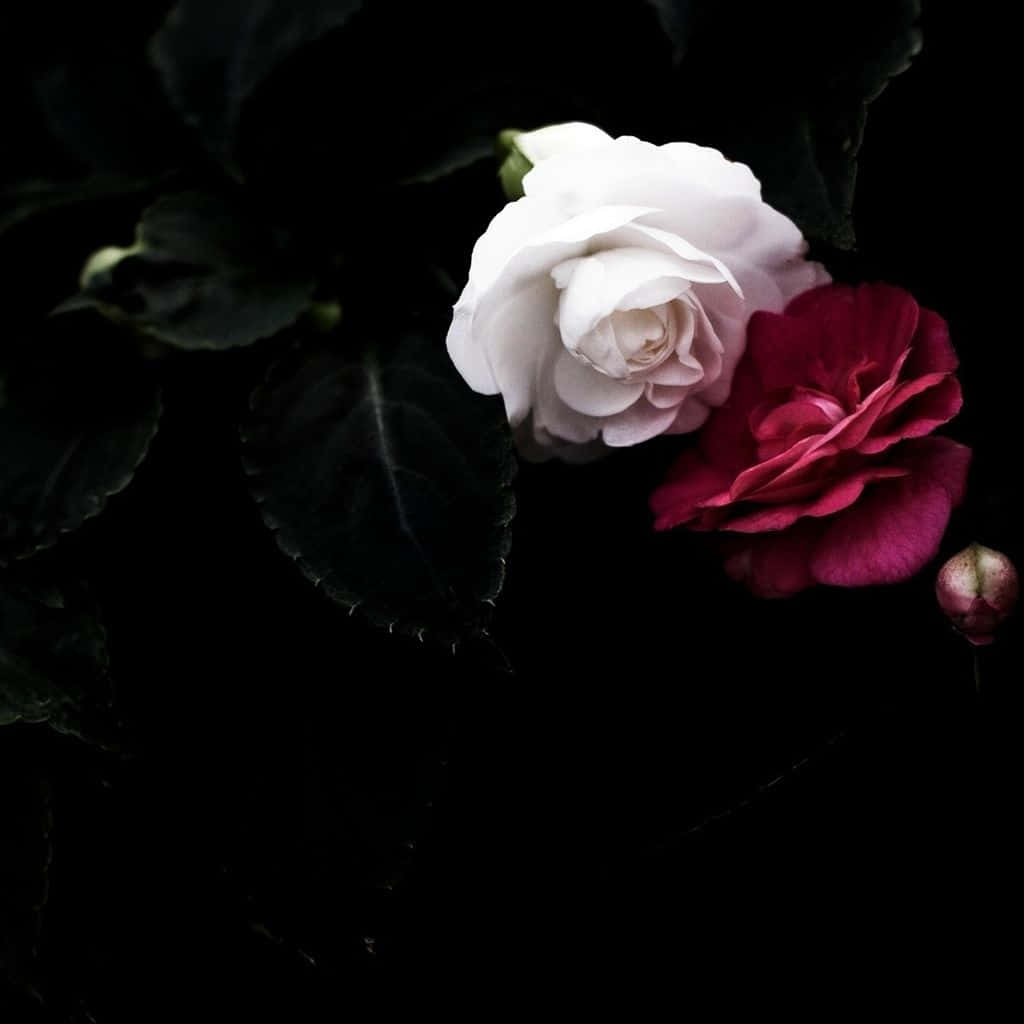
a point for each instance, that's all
(713, 214)
(562, 241)
(654, 293)
(515, 317)
(682, 322)
(555, 139)
(640, 422)
(590, 177)
(691, 415)
(467, 353)
(518, 336)
(580, 308)
(552, 418)
(601, 348)
(631, 267)
(595, 394)
(719, 343)
(700, 266)
(712, 170)
(718, 353)
(528, 273)
(616, 279)
(635, 328)
(662, 397)
(677, 372)
(509, 230)
(586, 225)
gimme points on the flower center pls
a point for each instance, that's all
(630, 343)
(777, 425)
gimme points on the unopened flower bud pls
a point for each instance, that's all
(519, 152)
(977, 589)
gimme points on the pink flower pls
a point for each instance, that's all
(819, 463)
(977, 589)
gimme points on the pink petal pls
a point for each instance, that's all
(640, 422)
(937, 405)
(763, 473)
(931, 349)
(782, 348)
(777, 564)
(896, 528)
(858, 424)
(834, 324)
(726, 439)
(885, 319)
(691, 481)
(815, 301)
(833, 499)
(794, 419)
(940, 458)
(763, 482)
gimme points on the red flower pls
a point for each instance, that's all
(819, 459)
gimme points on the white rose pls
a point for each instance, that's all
(610, 303)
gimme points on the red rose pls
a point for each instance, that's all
(818, 460)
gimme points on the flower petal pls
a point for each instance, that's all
(699, 266)
(690, 482)
(518, 336)
(553, 421)
(593, 287)
(833, 499)
(895, 529)
(586, 390)
(555, 139)
(920, 415)
(775, 564)
(691, 414)
(466, 352)
(640, 422)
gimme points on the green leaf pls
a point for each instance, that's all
(202, 274)
(76, 419)
(53, 659)
(386, 479)
(108, 113)
(212, 56)
(796, 112)
(25, 200)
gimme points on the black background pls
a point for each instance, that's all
(673, 775)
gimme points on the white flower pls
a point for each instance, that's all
(610, 303)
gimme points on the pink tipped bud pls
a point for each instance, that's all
(977, 589)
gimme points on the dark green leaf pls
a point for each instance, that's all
(433, 108)
(21, 202)
(110, 115)
(76, 419)
(202, 274)
(793, 102)
(386, 479)
(53, 659)
(212, 57)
